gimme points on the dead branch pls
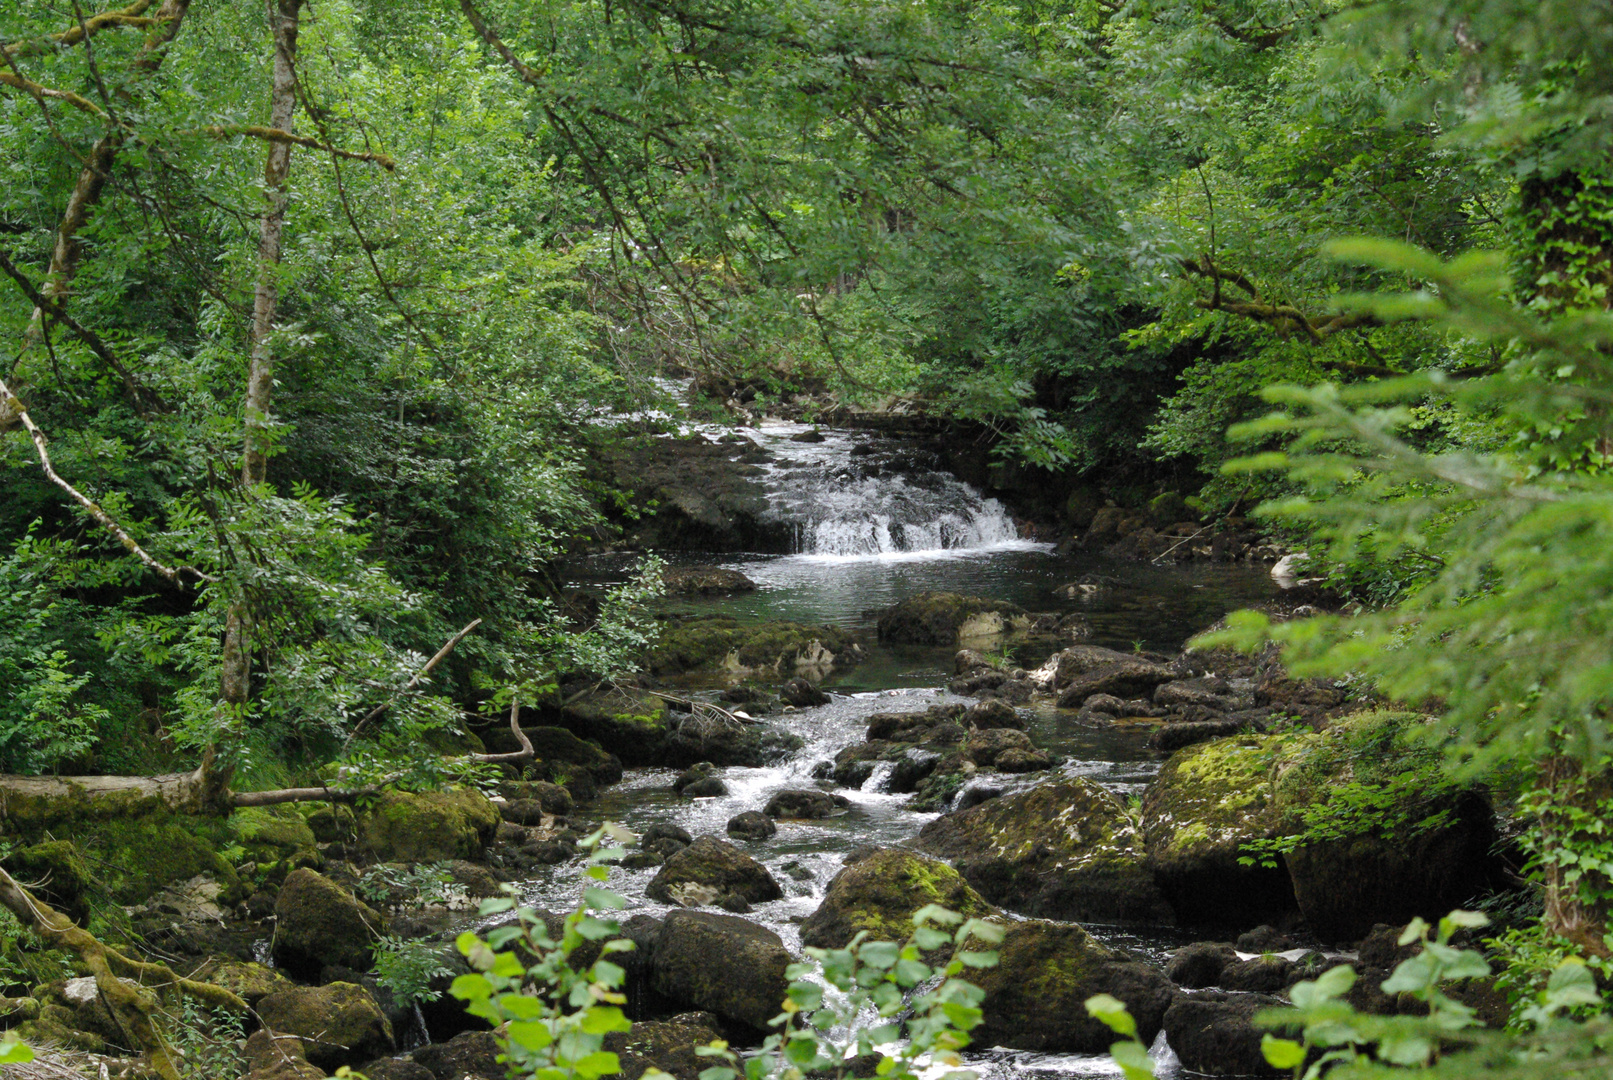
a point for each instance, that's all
(526, 753)
(172, 574)
(423, 673)
(134, 1011)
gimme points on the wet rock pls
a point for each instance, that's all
(723, 964)
(911, 769)
(1130, 677)
(975, 794)
(706, 787)
(641, 860)
(802, 694)
(548, 852)
(317, 922)
(521, 812)
(552, 798)
(666, 846)
(667, 1045)
(1266, 938)
(1208, 693)
(703, 737)
(1045, 972)
(1066, 849)
(939, 618)
(991, 714)
(1175, 736)
(805, 803)
(1200, 964)
(1105, 703)
(705, 770)
(339, 1024)
(705, 581)
(968, 660)
(751, 825)
(1263, 974)
(437, 826)
(625, 721)
(1018, 760)
(879, 893)
(665, 831)
(982, 747)
(1214, 1033)
(1077, 660)
(707, 869)
(469, 1054)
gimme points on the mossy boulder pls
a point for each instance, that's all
(665, 1045)
(721, 963)
(1215, 1033)
(329, 822)
(433, 826)
(1065, 850)
(251, 982)
(779, 650)
(1199, 816)
(270, 830)
(1045, 972)
(626, 722)
(137, 858)
(319, 923)
(951, 619)
(1384, 832)
(339, 1023)
(879, 893)
(708, 870)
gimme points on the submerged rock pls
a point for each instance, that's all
(1068, 849)
(708, 869)
(721, 644)
(880, 891)
(704, 581)
(941, 618)
(721, 963)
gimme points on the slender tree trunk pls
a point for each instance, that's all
(236, 669)
(1575, 904)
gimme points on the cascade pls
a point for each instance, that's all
(846, 499)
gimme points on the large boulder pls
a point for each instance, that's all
(1387, 834)
(268, 1055)
(317, 922)
(1130, 677)
(1214, 1032)
(942, 618)
(880, 891)
(1068, 849)
(1199, 816)
(249, 981)
(708, 870)
(665, 1045)
(435, 826)
(723, 964)
(777, 650)
(339, 1024)
(1045, 972)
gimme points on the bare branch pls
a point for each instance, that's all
(423, 673)
(172, 574)
(526, 753)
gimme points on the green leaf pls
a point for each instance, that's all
(14, 1052)
(935, 913)
(978, 959)
(471, 988)
(1405, 1049)
(603, 899)
(1133, 1059)
(880, 955)
(1281, 1053)
(1111, 1012)
(531, 1034)
(599, 1063)
(604, 1019)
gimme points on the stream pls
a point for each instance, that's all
(872, 529)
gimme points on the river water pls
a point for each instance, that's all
(873, 527)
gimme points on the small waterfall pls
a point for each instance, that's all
(877, 779)
(847, 499)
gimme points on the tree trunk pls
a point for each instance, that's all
(236, 668)
(1576, 903)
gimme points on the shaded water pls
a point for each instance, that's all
(871, 535)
